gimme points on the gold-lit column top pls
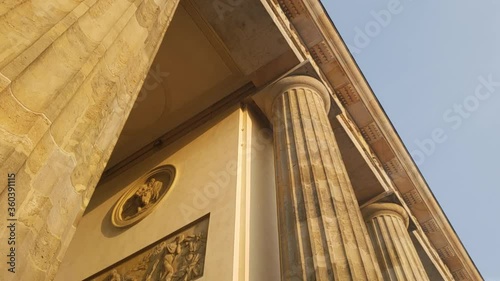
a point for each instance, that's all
(388, 227)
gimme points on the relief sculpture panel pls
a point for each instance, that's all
(143, 196)
(178, 257)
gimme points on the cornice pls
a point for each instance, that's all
(330, 53)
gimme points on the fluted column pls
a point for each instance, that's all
(321, 231)
(387, 224)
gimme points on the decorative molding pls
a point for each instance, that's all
(291, 8)
(143, 196)
(321, 53)
(412, 197)
(461, 275)
(371, 132)
(413, 179)
(347, 94)
(393, 167)
(446, 252)
(178, 257)
(430, 226)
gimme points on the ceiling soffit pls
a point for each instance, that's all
(206, 55)
(250, 35)
(191, 71)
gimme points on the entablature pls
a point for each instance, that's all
(315, 29)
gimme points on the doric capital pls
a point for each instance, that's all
(381, 209)
(265, 99)
(310, 176)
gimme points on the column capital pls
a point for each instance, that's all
(265, 99)
(387, 225)
(379, 209)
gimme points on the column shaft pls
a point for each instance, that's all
(322, 234)
(387, 225)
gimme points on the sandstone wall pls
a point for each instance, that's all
(70, 71)
(224, 168)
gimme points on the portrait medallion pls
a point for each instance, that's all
(143, 196)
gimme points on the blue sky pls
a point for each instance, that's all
(435, 67)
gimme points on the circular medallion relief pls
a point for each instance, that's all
(144, 195)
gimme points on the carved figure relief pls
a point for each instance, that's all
(143, 196)
(177, 257)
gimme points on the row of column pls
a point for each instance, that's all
(323, 233)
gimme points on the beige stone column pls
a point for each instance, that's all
(388, 227)
(70, 71)
(321, 231)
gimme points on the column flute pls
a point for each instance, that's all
(321, 231)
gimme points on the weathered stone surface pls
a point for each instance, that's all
(12, 155)
(66, 55)
(62, 112)
(20, 129)
(44, 250)
(51, 273)
(322, 235)
(32, 272)
(387, 225)
(34, 212)
(65, 203)
(19, 63)
(24, 23)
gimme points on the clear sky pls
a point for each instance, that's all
(435, 67)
